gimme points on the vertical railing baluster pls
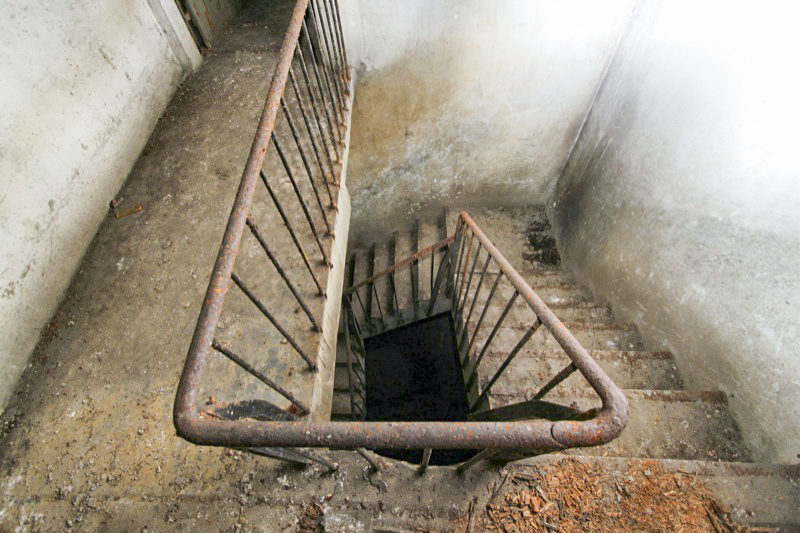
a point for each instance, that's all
(378, 301)
(306, 165)
(496, 327)
(363, 309)
(503, 367)
(451, 252)
(462, 276)
(315, 109)
(333, 134)
(433, 257)
(483, 313)
(553, 383)
(414, 289)
(350, 375)
(261, 307)
(465, 323)
(227, 352)
(310, 130)
(333, 103)
(334, 56)
(300, 199)
(289, 227)
(281, 272)
(340, 36)
(331, 60)
(444, 266)
(454, 274)
(480, 456)
(426, 459)
(330, 16)
(393, 288)
(462, 302)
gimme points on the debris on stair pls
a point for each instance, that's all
(574, 496)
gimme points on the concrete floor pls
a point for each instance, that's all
(87, 439)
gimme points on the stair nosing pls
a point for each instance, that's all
(665, 395)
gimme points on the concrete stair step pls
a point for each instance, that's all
(341, 403)
(428, 233)
(341, 379)
(382, 296)
(362, 268)
(532, 369)
(521, 312)
(550, 293)
(508, 229)
(673, 424)
(593, 336)
(403, 247)
(758, 495)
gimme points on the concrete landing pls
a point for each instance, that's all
(87, 440)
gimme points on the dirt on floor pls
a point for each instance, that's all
(573, 496)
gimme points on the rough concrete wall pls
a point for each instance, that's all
(82, 84)
(468, 101)
(680, 201)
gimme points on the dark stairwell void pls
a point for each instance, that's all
(413, 374)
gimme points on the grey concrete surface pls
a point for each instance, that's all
(82, 86)
(687, 430)
(468, 102)
(679, 203)
(87, 439)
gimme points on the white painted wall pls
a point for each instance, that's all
(469, 101)
(82, 85)
(681, 201)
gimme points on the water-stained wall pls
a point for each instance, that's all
(82, 85)
(681, 201)
(468, 102)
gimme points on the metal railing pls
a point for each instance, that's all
(366, 313)
(309, 95)
(471, 266)
(261, 426)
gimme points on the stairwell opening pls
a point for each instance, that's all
(413, 373)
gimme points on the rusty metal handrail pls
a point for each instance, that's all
(612, 417)
(287, 428)
(604, 426)
(328, 101)
(430, 250)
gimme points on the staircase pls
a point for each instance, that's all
(686, 429)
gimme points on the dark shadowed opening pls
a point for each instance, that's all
(413, 374)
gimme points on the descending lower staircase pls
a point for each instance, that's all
(690, 428)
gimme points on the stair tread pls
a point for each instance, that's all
(592, 336)
(675, 424)
(564, 308)
(382, 295)
(650, 370)
(507, 227)
(427, 234)
(757, 493)
(403, 247)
